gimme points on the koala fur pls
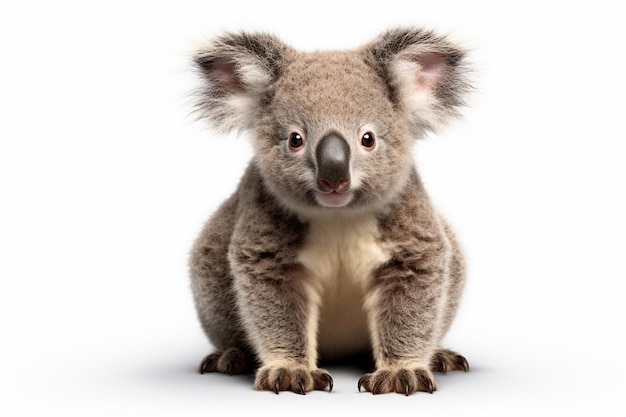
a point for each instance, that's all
(330, 247)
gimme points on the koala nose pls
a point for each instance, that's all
(333, 163)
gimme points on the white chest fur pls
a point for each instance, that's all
(340, 256)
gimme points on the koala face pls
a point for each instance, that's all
(330, 137)
(332, 130)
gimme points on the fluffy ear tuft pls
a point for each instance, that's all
(425, 73)
(237, 70)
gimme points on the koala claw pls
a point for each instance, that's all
(327, 381)
(301, 388)
(297, 379)
(360, 383)
(446, 360)
(402, 381)
(231, 361)
(209, 363)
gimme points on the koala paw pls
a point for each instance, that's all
(403, 381)
(297, 379)
(446, 360)
(231, 361)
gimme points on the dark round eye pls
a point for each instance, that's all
(368, 140)
(295, 141)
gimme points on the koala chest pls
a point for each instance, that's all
(340, 256)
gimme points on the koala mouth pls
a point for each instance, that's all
(334, 198)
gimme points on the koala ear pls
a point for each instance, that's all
(425, 73)
(237, 70)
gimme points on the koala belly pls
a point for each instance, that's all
(340, 256)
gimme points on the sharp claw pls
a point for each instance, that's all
(406, 390)
(360, 382)
(431, 387)
(277, 387)
(465, 365)
(329, 379)
(301, 388)
(203, 365)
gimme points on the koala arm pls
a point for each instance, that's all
(407, 298)
(278, 309)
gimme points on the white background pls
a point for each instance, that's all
(105, 181)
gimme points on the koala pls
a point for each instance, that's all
(330, 247)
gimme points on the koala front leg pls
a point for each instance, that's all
(405, 311)
(278, 308)
(412, 297)
(279, 315)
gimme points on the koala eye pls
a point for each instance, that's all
(296, 141)
(368, 140)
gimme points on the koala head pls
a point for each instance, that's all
(332, 130)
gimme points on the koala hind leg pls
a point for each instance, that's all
(211, 282)
(445, 360)
(231, 361)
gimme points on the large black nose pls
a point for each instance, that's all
(333, 163)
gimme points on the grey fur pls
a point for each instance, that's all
(286, 273)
